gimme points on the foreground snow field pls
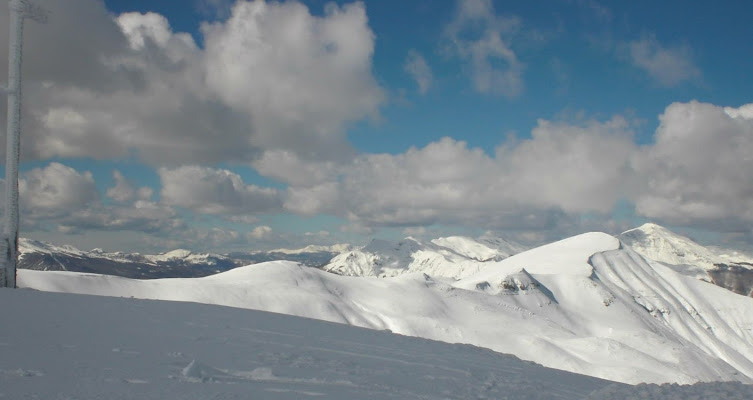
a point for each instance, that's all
(586, 304)
(80, 347)
(63, 346)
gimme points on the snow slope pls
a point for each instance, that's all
(586, 304)
(64, 346)
(451, 257)
(70, 347)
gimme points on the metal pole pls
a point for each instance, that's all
(12, 149)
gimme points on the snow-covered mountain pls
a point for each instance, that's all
(335, 248)
(178, 263)
(62, 346)
(43, 256)
(485, 248)
(588, 304)
(449, 257)
(727, 268)
(660, 244)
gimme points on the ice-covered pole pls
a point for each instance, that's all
(19, 10)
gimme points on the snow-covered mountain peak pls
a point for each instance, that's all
(470, 248)
(660, 244)
(565, 257)
(170, 255)
(29, 246)
(335, 248)
(453, 257)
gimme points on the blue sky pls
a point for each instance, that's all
(220, 125)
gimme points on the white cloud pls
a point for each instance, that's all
(123, 191)
(417, 67)
(145, 193)
(669, 66)
(56, 190)
(271, 76)
(311, 200)
(59, 197)
(532, 184)
(288, 167)
(141, 216)
(578, 168)
(214, 191)
(260, 232)
(142, 28)
(298, 76)
(697, 171)
(482, 39)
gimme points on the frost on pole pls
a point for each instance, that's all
(19, 10)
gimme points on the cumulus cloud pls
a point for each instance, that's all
(288, 167)
(145, 193)
(269, 76)
(298, 76)
(669, 66)
(260, 232)
(123, 190)
(214, 191)
(481, 38)
(532, 184)
(578, 168)
(55, 190)
(61, 198)
(417, 67)
(696, 172)
(141, 216)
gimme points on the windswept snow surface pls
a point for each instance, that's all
(585, 304)
(63, 346)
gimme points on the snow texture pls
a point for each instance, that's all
(64, 346)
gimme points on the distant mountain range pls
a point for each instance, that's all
(41, 256)
(453, 257)
(448, 257)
